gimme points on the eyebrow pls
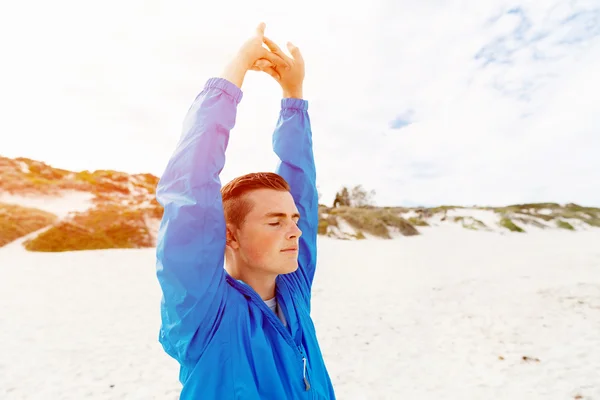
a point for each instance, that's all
(280, 215)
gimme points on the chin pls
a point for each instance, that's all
(288, 268)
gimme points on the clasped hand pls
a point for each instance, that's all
(288, 71)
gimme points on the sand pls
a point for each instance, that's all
(450, 314)
(60, 205)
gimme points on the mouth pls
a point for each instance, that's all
(290, 250)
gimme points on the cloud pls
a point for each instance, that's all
(497, 101)
(402, 120)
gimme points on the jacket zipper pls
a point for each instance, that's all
(306, 382)
(278, 325)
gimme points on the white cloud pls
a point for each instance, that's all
(106, 85)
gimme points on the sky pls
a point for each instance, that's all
(426, 103)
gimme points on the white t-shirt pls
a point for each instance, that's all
(272, 304)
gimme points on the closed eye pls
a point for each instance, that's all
(279, 223)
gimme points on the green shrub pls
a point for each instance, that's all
(322, 228)
(375, 221)
(105, 227)
(17, 221)
(416, 221)
(325, 222)
(438, 209)
(359, 236)
(564, 225)
(592, 222)
(362, 220)
(508, 224)
(474, 224)
(530, 221)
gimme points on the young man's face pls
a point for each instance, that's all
(269, 232)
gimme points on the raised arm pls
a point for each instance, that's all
(292, 142)
(191, 240)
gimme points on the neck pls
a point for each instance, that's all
(263, 284)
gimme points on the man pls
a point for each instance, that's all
(243, 332)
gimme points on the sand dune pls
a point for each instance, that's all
(451, 314)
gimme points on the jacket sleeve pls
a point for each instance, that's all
(292, 142)
(191, 239)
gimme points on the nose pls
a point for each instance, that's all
(294, 232)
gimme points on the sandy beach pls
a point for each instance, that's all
(455, 147)
(449, 314)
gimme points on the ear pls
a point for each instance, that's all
(231, 240)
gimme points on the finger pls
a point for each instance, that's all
(271, 45)
(294, 51)
(271, 71)
(262, 63)
(268, 68)
(275, 59)
(260, 29)
(274, 48)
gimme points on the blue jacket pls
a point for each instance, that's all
(228, 343)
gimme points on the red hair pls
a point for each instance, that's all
(235, 205)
